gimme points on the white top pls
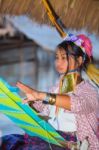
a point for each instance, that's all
(65, 120)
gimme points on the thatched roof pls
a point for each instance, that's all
(75, 14)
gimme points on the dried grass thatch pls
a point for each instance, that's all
(75, 14)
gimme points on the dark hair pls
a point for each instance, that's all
(74, 50)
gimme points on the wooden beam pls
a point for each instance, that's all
(16, 44)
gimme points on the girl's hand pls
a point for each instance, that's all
(32, 95)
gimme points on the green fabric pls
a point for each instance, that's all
(25, 117)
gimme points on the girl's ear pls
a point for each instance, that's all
(80, 60)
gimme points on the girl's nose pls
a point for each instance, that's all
(59, 62)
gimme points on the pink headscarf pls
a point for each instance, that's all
(86, 44)
(82, 41)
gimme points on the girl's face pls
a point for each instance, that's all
(63, 64)
(61, 61)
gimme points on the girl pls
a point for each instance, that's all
(72, 104)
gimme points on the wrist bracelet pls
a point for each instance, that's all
(50, 99)
(46, 100)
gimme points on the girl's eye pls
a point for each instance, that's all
(64, 57)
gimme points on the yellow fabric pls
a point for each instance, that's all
(68, 83)
(93, 73)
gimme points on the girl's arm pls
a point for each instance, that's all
(34, 95)
(61, 100)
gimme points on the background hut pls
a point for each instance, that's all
(25, 60)
(74, 14)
